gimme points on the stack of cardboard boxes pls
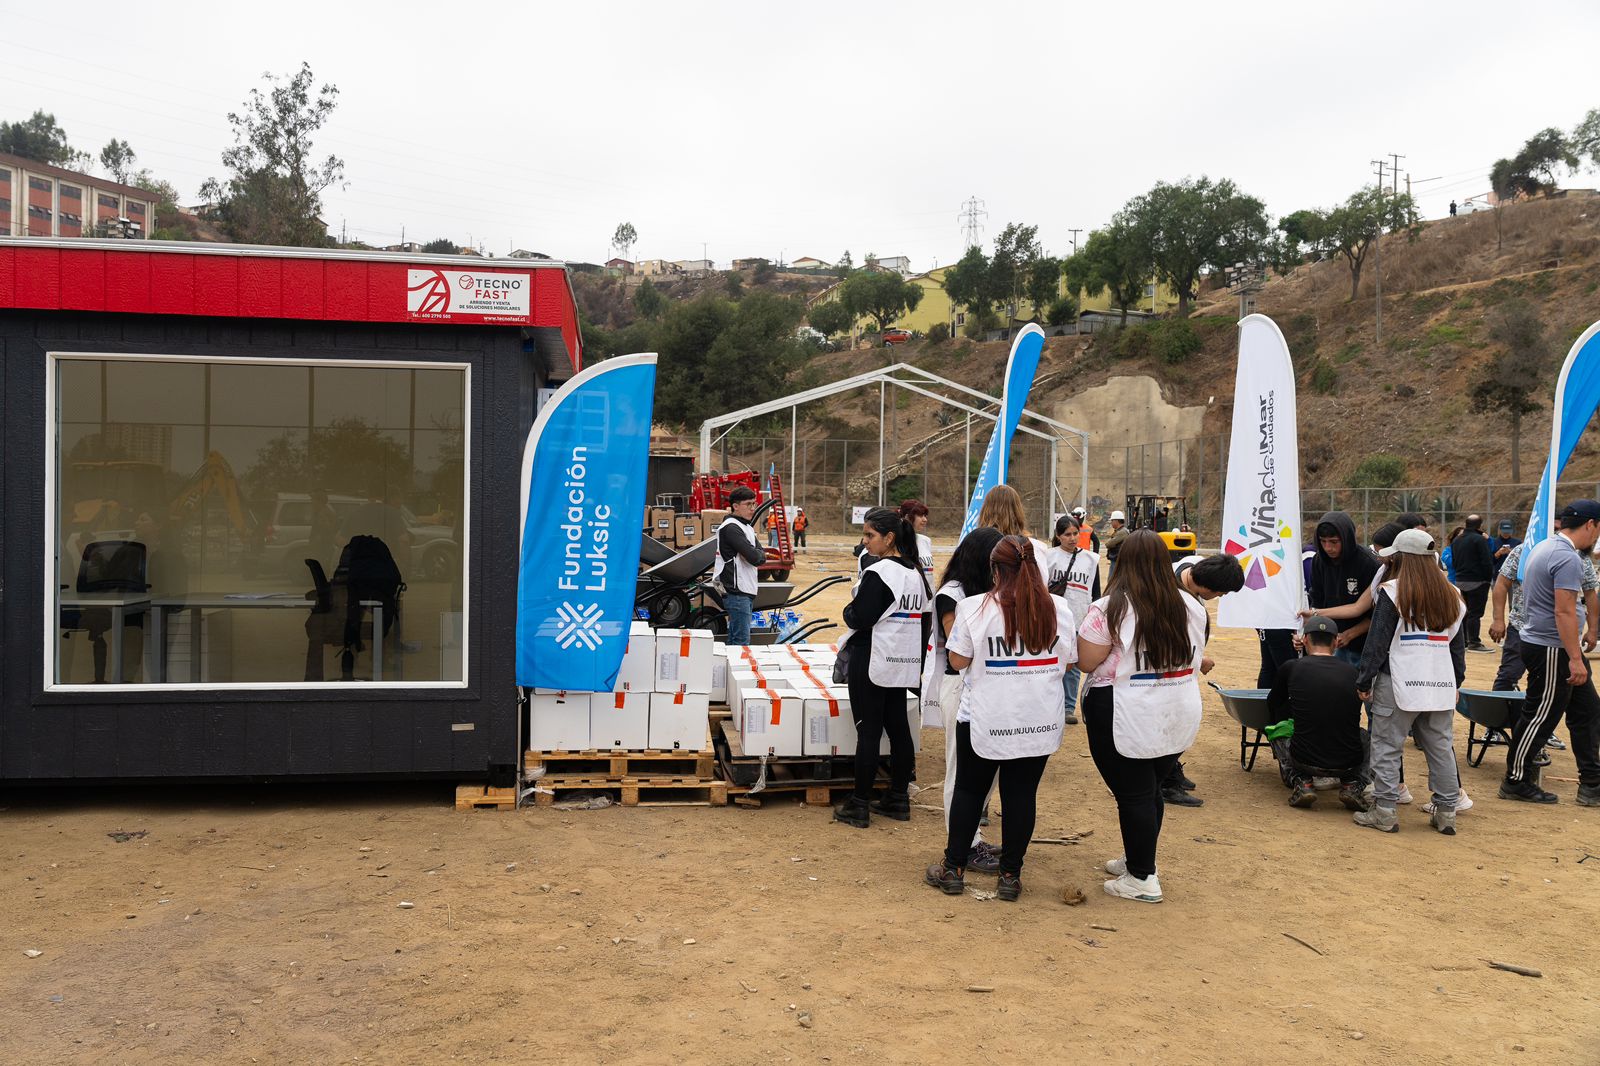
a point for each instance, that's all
(661, 702)
(680, 530)
(784, 702)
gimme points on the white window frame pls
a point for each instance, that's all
(52, 455)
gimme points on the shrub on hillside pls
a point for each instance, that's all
(1324, 378)
(1379, 471)
(938, 333)
(1171, 341)
(1061, 311)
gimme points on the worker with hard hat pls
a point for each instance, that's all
(1113, 542)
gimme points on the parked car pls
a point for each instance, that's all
(434, 554)
(895, 336)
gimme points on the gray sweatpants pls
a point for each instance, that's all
(1390, 726)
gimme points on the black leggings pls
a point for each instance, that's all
(1135, 782)
(1019, 790)
(875, 710)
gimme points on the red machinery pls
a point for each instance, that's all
(710, 492)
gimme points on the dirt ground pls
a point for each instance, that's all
(265, 924)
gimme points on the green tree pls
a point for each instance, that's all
(442, 246)
(118, 158)
(624, 239)
(734, 284)
(1350, 229)
(1516, 375)
(845, 264)
(648, 301)
(830, 317)
(1585, 140)
(1197, 224)
(879, 295)
(762, 273)
(716, 355)
(1302, 228)
(1016, 249)
(1062, 310)
(1115, 260)
(1044, 284)
(274, 192)
(967, 283)
(38, 137)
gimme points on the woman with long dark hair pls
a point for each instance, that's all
(1073, 572)
(968, 573)
(1142, 645)
(1412, 666)
(916, 512)
(1014, 643)
(888, 621)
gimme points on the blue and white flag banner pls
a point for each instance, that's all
(1577, 396)
(1261, 507)
(1020, 368)
(583, 490)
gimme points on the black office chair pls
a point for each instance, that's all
(366, 572)
(106, 566)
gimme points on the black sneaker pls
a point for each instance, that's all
(1178, 797)
(1010, 886)
(896, 805)
(946, 880)
(1183, 781)
(1526, 792)
(853, 812)
(1542, 759)
(984, 858)
(1072, 719)
(1302, 795)
(1589, 795)
(1354, 797)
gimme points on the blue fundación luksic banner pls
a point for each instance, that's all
(1577, 397)
(1020, 368)
(583, 489)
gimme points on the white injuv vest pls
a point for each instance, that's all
(896, 660)
(1420, 667)
(1079, 568)
(937, 658)
(744, 573)
(1013, 697)
(925, 554)
(1156, 712)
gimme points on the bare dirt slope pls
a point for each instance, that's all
(262, 924)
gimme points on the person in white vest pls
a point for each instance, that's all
(916, 512)
(888, 619)
(1072, 572)
(968, 573)
(1002, 509)
(1411, 670)
(1014, 643)
(738, 555)
(1142, 645)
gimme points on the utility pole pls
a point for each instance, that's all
(1394, 171)
(971, 211)
(1377, 262)
(1074, 233)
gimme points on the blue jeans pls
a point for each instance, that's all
(1069, 685)
(738, 607)
(1348, 655)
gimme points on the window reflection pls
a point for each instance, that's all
(246, 523)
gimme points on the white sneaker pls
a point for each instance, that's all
(1405, 794)
(1117, 867)
(1324, 784)
(1141, 889)
(1463, 803)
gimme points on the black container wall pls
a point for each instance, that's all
(245, 733)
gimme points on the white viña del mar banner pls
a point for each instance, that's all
(1261, 510)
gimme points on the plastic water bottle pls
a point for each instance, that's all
(758, 619)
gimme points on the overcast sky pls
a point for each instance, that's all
(809, 129)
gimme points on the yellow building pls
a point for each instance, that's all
(936, 305)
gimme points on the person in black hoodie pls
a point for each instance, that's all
(1475, 568)
(1340, 573)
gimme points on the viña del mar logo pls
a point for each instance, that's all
(1259, 544)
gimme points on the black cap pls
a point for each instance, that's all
(1584, 510)
(1318, 623)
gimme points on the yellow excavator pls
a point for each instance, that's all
(1155, 512)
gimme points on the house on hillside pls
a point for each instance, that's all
(750, 264)
(405, 246)
(620, 266)
(39, 200)
(806, 262)
(694, 266)
(523, 253)
(897, 263)
(650, 268)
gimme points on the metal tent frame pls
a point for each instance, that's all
(923, 383)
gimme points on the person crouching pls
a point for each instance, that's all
(1319, 693)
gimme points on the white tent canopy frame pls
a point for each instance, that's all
(923, 383)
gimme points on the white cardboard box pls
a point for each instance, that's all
(830, 730)
(620, 720)
(683, 661)
(558, 721)
(719, 674)
(638, 673)
(679, 720)
(771, 722)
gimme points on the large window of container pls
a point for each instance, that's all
(222, 522)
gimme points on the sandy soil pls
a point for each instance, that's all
(264, 924)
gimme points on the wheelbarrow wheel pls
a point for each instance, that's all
(670, 611)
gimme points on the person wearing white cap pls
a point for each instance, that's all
(1411, 671)
(1082, 516)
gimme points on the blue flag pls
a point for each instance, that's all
(1577, 396)
(583, 490)
(1020, 368)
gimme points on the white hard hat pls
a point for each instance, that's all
(1118, 516)
(1078, 512)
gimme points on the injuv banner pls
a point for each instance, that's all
(1021, 365)
(583, 489)
(1261, 509)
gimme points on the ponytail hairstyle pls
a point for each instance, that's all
(886, 521)
(970, 565)
(1144, 583)
(1026, 606)
(1002, 509)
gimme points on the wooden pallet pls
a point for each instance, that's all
(485, 797)
(819, 780)
(823, 794)
(624, 764)
(637, 792)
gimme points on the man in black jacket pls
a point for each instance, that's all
(1342, 570)
(1475, 571)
